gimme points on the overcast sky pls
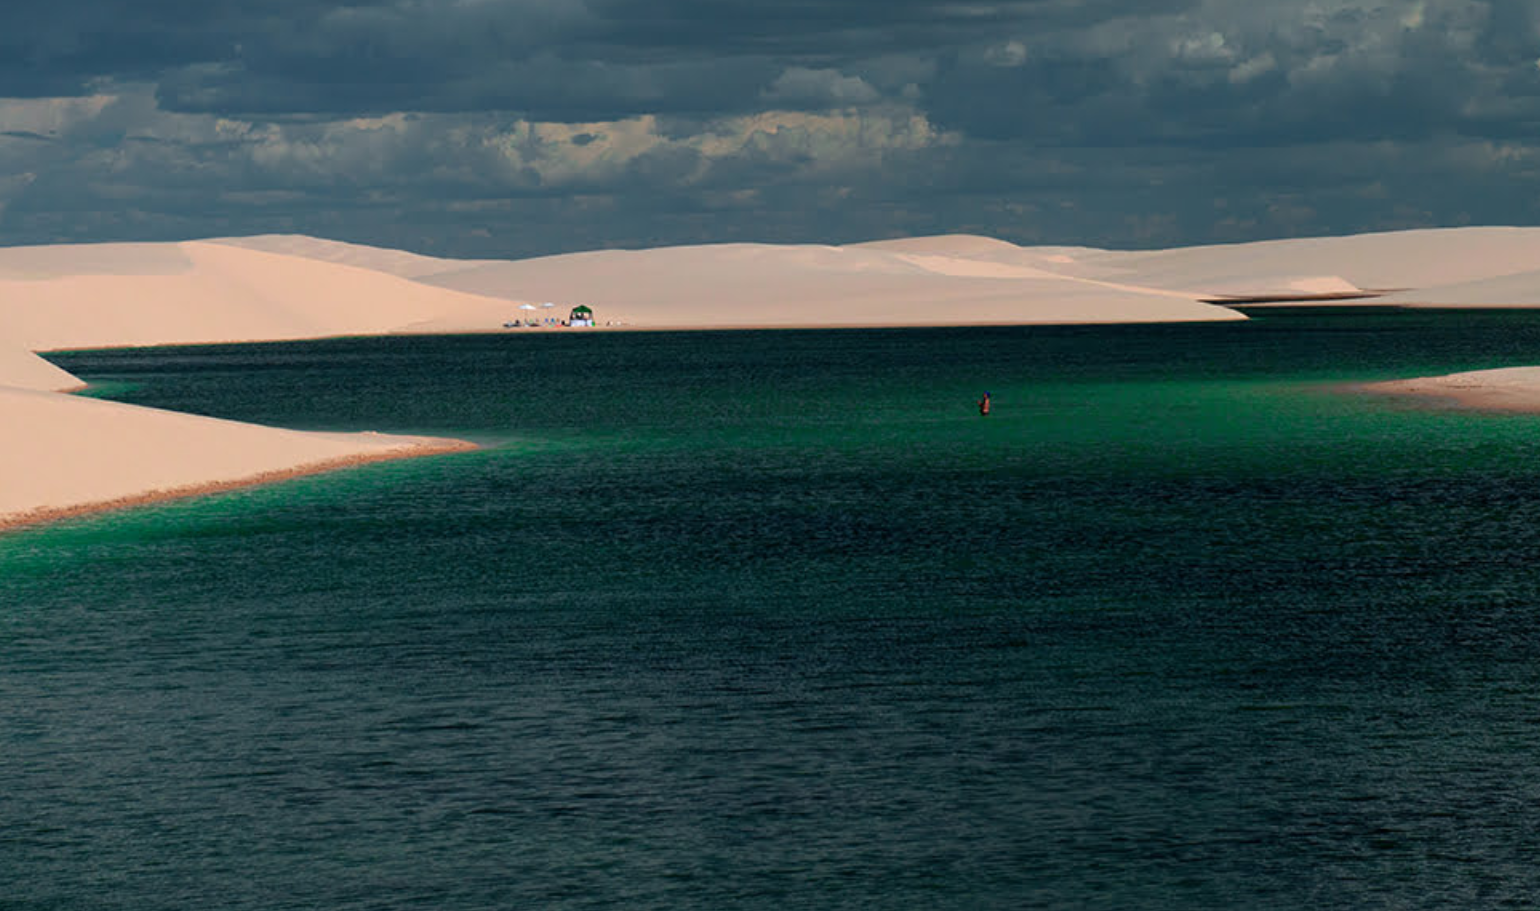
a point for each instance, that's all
(518, 127)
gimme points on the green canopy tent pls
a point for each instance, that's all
(581, 316)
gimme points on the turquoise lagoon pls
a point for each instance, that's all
(777, 620)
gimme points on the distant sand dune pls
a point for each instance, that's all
(737, 285)
(1521, 289)
(1411, 260)
(393, 262)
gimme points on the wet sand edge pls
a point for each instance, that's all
(55, 514)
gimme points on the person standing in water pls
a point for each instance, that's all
(984, 405)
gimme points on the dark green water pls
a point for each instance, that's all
(776, 620)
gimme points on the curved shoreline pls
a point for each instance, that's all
(1506, 390)
(429, 447)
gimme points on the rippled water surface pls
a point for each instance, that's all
(776, 620)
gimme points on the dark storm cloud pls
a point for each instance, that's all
(845, 28)
(565, 59)
(1234, 79)
(540, 125)
(62, 45)
(541, 86)
(1060, 71)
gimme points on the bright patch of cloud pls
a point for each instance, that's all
(818, 89)
(1208, 47)
(1247, 70)
(1010, 54)
(49, 117)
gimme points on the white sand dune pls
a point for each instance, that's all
(379, 259)
(1402, 260)
(21, 369)
(148, 294)
(71, 260)
(988, 249)
(1521, 289)
(740, 285)
(962, 279)
(67, 454)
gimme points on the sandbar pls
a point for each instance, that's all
(1506, 389)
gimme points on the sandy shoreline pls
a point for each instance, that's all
(54, 514)
(1510, 390)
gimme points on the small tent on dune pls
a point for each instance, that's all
(581, 316)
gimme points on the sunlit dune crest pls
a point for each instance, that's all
(379, 259)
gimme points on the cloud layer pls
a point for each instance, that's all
(513, 127)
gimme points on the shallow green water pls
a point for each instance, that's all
(761, 620)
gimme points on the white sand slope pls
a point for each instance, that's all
(1520, 289)
(1420, 263)
(379, 259)
(73, 454)
(962, 279)
(741, 285)
(987, 249)
(22, 369)
(109, 295)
